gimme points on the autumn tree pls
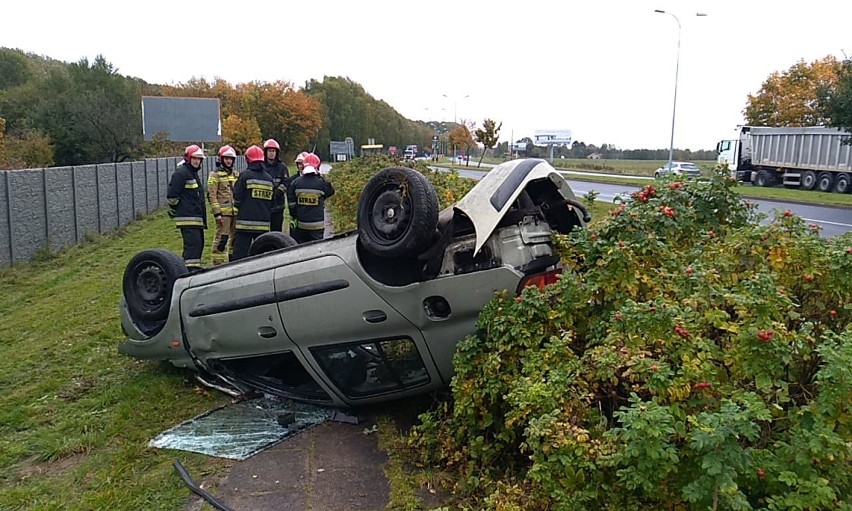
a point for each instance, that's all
(791, 98)
(240, 133)
(837, 101)
(488, 136)
(461, 137)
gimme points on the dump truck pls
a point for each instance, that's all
(810, 158)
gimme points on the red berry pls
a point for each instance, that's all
(519, 299)
(761, 474)
(688, 270)
(832, 313)
(703, 385)
(766, 335)
(617, 316)
(788, 213)
(809, 277)
(849, 250)
(655, 368)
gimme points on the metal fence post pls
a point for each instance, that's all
(74, 201)
(46, 211)
(9, 219)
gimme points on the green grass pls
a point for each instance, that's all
(75, 415)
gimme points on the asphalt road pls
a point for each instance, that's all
(832, 220)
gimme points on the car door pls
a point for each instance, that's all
(235, 316)
(350, 336)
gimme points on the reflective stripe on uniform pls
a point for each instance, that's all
(310, 190)
(192, 262)
(189, 221)
(251, 225)
(191, 184)
(174, 202)
(258, 183)
(310, 226)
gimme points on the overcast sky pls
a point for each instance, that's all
(604, 69)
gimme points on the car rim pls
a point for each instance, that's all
(150, 284)
(391, 214)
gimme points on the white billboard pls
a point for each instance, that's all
(552, 137)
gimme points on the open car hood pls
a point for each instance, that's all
(491, 198)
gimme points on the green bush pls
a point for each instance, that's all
(350, 178)
(688, 358)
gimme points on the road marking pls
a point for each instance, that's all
(839, 224)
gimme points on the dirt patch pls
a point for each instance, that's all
(31, 467)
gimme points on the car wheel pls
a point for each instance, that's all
(763, 178)
(656, 175)
(269, 241)
(397, 213)
(148, 282)
(843, 183)
(825, 181)
(808, 180)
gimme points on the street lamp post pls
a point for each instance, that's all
(677, 69)
(455, 116)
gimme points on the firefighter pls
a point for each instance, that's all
(306, 196)
(300, 163)
(220, 193)
(187, 206)
(253, 194)
(280, 179)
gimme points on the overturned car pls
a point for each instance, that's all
(366, 316)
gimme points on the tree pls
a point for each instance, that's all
(460, 136)
(488, 136)
(837, 101)
(14, 68)
(240, 133)
(791, 98)
(33, 149)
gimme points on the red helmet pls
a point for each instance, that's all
(301, 157)
(254, 153)
(271, 144)
(312, 160)
(226, 151)
(193, 151)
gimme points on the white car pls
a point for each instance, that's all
(678, 168)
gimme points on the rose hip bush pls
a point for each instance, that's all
(688, 358)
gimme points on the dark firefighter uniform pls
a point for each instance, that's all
(220, 193)
(186, 202)
(253, 201)
(280, 175)
(306, 195)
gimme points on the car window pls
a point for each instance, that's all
(690, 166)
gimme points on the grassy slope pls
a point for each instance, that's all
(75, 415)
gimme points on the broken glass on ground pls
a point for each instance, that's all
(239, 430)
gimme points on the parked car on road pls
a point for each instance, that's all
(678, 168)
(364, 316)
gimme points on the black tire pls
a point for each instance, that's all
(397, 213)
(825, 182)
(269, 241)
(808, 180)
(764, 178)
(843, 183)
(656, 175)
(148, 282)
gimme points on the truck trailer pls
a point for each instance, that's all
(810, 158)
